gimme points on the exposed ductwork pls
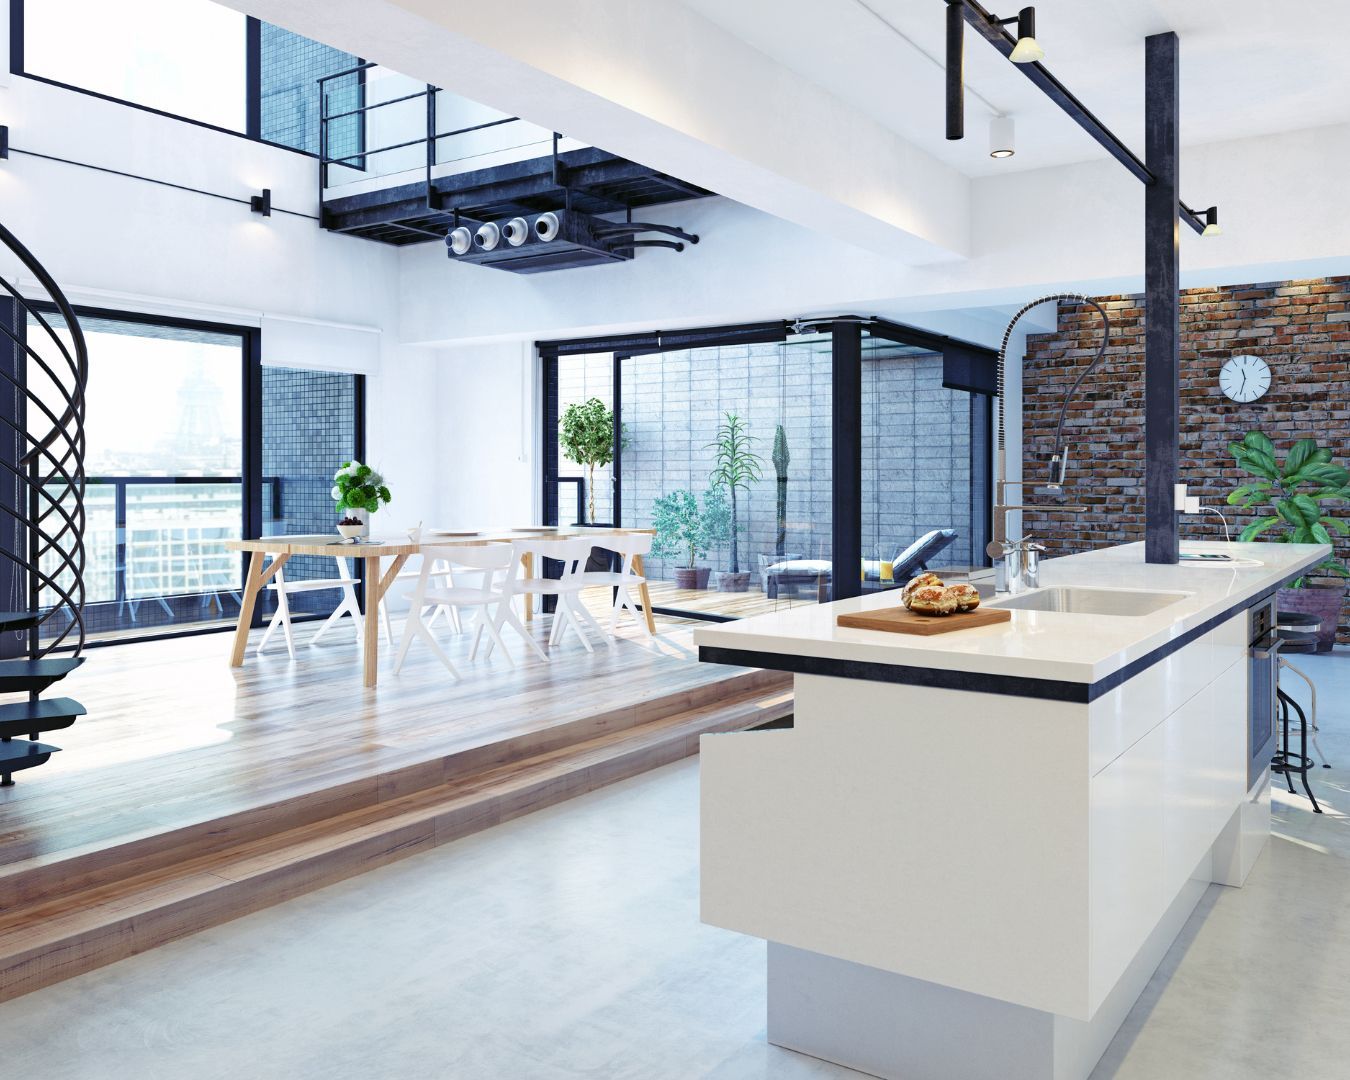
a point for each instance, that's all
(557, 240)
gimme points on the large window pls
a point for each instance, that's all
(184, 57)
(164, 463)
(192, 59)
(863, 451)
(171, 474)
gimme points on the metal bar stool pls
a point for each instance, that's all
(1284, 761)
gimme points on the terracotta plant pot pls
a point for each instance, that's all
(1323, 600)
(733, 582)
(692, 577)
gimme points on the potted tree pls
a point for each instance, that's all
(1292, 497)
(358, 491)
(735, 468)
(686, 529)
(586, 435)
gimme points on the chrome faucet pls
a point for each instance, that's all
(1017, 562)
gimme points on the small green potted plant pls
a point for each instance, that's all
(735, 468)
(358, 491)
(685, 529)
(586, 435)
(1293, 498)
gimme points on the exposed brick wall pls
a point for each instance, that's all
(1301, 328)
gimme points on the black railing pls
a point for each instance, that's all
(124, 559)
(431, 139)
(50, 461)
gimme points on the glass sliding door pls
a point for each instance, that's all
(923, 471)
(578, 492)
(164, 463)
(767, 405)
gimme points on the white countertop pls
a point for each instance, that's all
(1037, 644)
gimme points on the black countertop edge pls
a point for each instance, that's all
(979, 682)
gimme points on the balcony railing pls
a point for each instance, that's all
(161, 540)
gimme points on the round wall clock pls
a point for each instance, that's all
(1244, 378)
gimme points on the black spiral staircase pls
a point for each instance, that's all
(42, 476)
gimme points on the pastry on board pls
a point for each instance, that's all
(966, 596)
(918, 583)
(932, 600)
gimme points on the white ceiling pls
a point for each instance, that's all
(1248, 67)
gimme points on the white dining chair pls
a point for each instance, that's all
(347, 605)
(495, 566)
(570, 613)
(629, 546)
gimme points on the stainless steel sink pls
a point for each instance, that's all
(1072, 600)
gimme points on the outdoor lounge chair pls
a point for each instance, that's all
(915, 559)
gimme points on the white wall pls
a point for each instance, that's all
(487, 451)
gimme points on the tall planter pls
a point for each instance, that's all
(781, 458)
(1325, 600)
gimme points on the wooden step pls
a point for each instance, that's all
(53, 939)
(30, 717)
(49, 876)
(26, 674)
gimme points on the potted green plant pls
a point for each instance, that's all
(686, 530)
(586, 435)
(735, 468)
(358, 491)
(1293, 498)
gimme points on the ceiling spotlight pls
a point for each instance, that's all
(487, 236)
(1212, 222)
(1027, 50)
(1002, 137)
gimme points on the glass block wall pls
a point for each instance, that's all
(309, 429)
(291, 66)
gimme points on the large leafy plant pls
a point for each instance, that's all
(359, 487)
(683, 527)
(1294, 493)
(586, 434)
(735, 467)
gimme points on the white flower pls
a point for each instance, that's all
(336, 493)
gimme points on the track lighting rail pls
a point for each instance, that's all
(991, 28)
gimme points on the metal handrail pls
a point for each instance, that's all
(430, 140)
(52, 465)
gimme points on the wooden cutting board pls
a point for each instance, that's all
(899, 620)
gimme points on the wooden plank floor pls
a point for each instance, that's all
(175, 738)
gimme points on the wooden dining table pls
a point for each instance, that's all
(379, 579)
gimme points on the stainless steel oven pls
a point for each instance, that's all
(1263, 675)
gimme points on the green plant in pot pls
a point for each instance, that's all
(686, 530)
(1295, 498)
(735, 467)
(358, 491)
(586, 435)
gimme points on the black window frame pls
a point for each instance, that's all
(966, 366)
(252, 84)
(251, 428)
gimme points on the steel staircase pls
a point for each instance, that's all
(42, 446)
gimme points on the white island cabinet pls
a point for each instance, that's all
(972, 850)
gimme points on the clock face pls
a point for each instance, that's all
(1244, 378)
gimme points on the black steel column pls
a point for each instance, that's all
(846, 478)
(1162, 287)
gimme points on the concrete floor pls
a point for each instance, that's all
(567, 945)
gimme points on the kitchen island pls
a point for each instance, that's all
(972, 850)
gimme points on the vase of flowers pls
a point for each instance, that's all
(358, 491)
